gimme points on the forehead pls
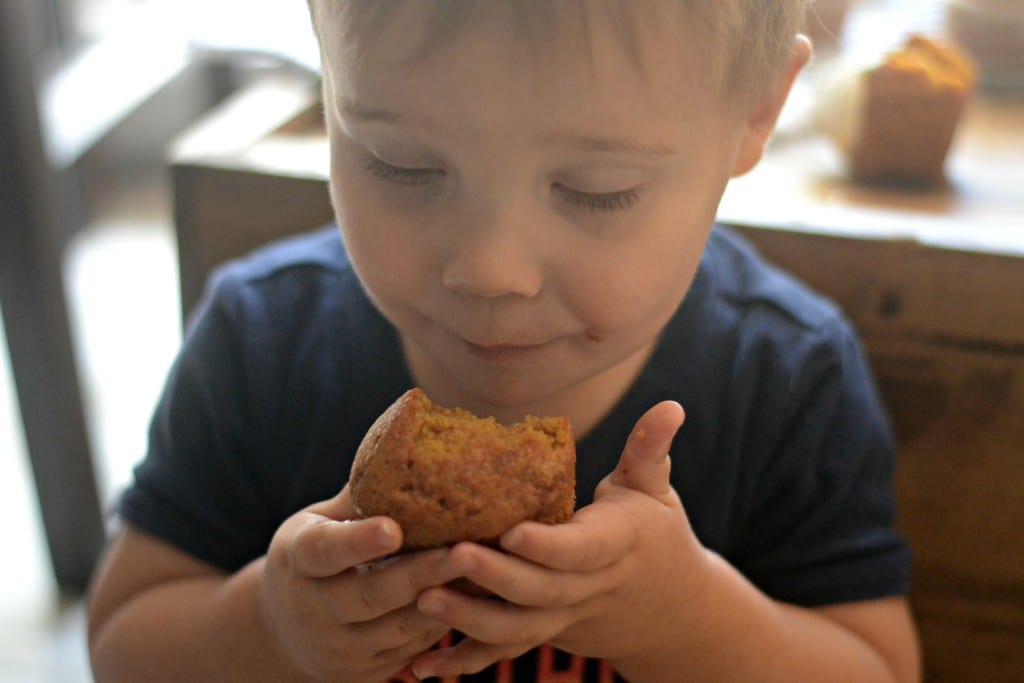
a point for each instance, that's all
(503, 86)
(650, 35)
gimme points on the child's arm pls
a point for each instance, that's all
(627, 580)
(305, 611)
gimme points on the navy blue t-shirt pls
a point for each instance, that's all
(783, 464)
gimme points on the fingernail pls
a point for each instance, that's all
(385, 536)
(422, 671)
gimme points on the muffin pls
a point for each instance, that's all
(895, 122)
(446, 475)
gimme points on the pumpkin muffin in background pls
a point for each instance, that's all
(895, 121)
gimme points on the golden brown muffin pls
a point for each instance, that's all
(446, 475)
(895, 122)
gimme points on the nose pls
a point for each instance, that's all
(496, 255)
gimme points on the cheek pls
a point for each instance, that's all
(638, 282)
(388, 253)
(636, 294)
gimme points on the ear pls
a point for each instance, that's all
(765, 110)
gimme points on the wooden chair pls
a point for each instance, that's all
(944, 330)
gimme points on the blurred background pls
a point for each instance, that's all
(97, 94)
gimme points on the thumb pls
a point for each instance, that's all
(644, 465)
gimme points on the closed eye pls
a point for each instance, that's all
(599, 201)
(401, 174)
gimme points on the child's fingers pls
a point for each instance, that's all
(597, 536)
(467, 658)
(329, 537)
(400, 635)
(494, 630)
(644, 465)
(321, 547)
(490, 621)
(381, 587)
(521, 581)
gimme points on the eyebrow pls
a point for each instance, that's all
(363, 114)
(611, 145)
(587, 143)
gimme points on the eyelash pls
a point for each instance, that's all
(599, 201)
(421, 177)
(400, 175)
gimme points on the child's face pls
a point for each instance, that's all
(528, 219)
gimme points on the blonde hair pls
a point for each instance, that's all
(752, 39)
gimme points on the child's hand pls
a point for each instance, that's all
(334, 615)
(606, 584)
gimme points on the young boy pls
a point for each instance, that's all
(526, 194)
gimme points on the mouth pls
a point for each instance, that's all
(502, 352)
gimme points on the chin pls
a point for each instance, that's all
(509, 394)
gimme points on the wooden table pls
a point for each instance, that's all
(933, 280)
(944, 262)
(801, 185)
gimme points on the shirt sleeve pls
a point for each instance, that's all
(197, 488)
(819, 529)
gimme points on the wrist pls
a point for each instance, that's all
(257, 626)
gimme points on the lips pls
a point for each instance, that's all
(502, 352)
